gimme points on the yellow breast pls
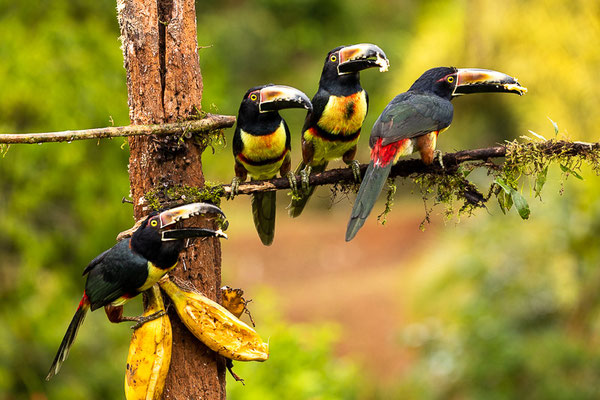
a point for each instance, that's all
(154, 275)
(344, 115)
(264, 147)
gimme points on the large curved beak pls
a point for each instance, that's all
(277, 97)
(475, 80)
(173, 215)
(361, 56)
(187, 233)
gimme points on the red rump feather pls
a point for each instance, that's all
(84, 300)
(383, 155)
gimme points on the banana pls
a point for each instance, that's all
(216, 327)
(149, 352)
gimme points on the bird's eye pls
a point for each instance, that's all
(154, 223)
(450, 79)
(253, 97)
(333, 58)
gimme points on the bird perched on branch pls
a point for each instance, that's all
(132, 266)
(261, 147)
(332, 128)
(412, 121)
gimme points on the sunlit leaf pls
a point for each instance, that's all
(520, 204)
(540, 181)
(568, 170)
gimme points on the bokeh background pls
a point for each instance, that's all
(486, 307)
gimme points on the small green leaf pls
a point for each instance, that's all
(501, 196)
(508, 202)
(520, 204)
(568, 170)
(503, 185)
(540, 181)
(555, 125)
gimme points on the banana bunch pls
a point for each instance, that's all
(149, 352)
(216, 327)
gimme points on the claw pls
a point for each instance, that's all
(439, 156)
(293, 184)
(142, 320)
(355, 165)
(235, 184)
(305, 174)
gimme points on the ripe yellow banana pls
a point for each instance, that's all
(216, 327)
(149, 352)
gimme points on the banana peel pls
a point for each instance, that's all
(149, 352)
(233, 300)
(215, 326)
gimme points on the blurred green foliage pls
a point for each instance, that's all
(511, 309)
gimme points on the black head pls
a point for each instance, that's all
(262, 102)
(158, 241)
(440, 80)
(343, 64)
(449, 82)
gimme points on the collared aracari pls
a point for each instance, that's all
(332, 128)
(412, 121)
(261, 147)
(132, 266)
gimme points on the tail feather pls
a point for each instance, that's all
(370, 188)
(69, 338)
(297, 205)
(263, 211)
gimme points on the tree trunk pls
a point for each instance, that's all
(165, 85)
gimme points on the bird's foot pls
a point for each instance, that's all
(235, 376)
(235, 184)
(293, 183)
(355, 165)
(438, 155)
(305, 175)
(141, 320)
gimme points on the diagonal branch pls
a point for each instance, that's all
(209, 123)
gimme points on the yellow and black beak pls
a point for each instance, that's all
(277, 97)
(361, 56)
(475, 80)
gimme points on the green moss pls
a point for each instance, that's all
(4, 149)
(160, 198)
(389, 201)
(524, 164)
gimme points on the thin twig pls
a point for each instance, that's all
(208, 123)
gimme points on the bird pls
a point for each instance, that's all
(332, 128)
(132, 266)
(412, 122)
(262, 147)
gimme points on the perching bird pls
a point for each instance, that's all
(261, 147)
(132, 266)
(332, 128)
(412, 121)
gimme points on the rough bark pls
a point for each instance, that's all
(165, 85)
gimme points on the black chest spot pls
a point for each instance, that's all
(350, 108)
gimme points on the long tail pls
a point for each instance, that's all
(263, 210)
(370, 188)
(67, 342)
(298, 204)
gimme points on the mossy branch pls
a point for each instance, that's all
(452, 161)
(209, 122)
